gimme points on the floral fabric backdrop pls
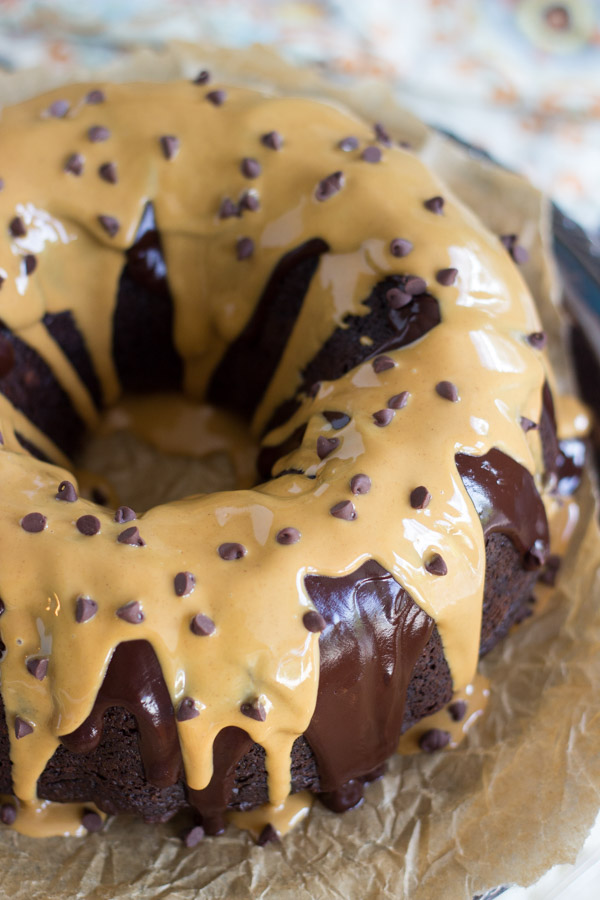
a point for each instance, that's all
(520, 78)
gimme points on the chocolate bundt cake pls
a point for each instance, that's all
(288, 262)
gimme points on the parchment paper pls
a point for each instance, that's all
(522, 791)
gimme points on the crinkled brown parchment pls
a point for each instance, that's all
(522, 791)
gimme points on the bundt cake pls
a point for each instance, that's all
(288, 262)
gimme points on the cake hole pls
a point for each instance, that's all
(156, 448)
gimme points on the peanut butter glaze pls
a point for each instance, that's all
(256, 677)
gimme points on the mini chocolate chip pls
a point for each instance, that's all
(8, 814)
(383, 417)
(228, 209)
(91, 821)
(446, 276)
(313, 621)
(244, 248)
(382, 363)
(110, 224)
(326, 445)
(348, 144)
(231, 551)
(202, 625)
(371, 154)
(536, 556)
(249, 200)
(217, 98)
(98, 133)
(187, 710)
(16, 227)
(548, 576)
(22, 728)
(203, 77)
(399, 401)
(267, 836)
(537, 339)
(336, 419)
(191, 837)
(457, 710)
(396, 298)
(124, 514)
(75, 164)
(288, 535)
(95, 97)
(38, 667)
(420, 497)
(254, 710)
(434, 739)
(108, 172)
(400, 247)
(447, 390)
(2, 607)
(184, 583)
(34, 522)
(250, 167)
(30, 263)
(435, 205)
(413, 285)
(527, 424)
(131, 612)
(360, 484)
(330, 186)
(381, 133)
(518, 253)
(273, 140)
(88, 525)
(344, 510)
(131, 536)
(85, 609)
(58, 109)
(170, 145)
(436, 565)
